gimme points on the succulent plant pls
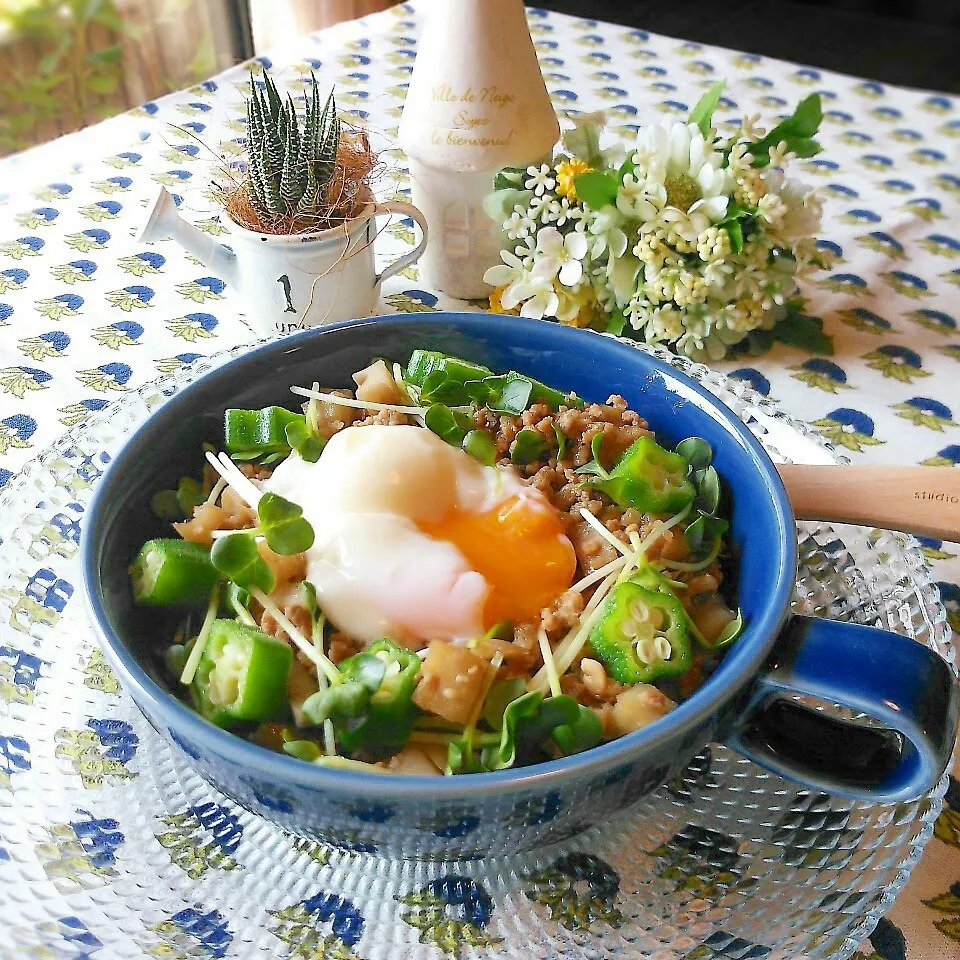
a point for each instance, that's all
(289, 160)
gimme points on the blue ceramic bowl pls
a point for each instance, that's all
(745, 701)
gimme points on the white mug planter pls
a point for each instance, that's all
(294, 281)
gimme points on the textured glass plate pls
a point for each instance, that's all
(109, 847)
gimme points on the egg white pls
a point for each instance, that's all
(376, 573)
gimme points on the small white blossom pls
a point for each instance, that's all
(539, 205)
(540, 179)
(562, 254)
(519, 224)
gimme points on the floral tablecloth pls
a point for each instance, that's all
(89, 313)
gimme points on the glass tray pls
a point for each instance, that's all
(110, 848)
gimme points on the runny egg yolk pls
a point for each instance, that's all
(520, 549)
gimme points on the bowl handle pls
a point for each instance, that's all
(902, 684)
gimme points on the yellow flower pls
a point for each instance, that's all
(497, 306)
(566, 171)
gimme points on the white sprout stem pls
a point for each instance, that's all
(220, 534)
(246, 489)
(200, 644)
(339, 401)
(572, 643)
(614, 542)
(598, 574)
(329, 740)
(552, 676)
(495, 664)
(662, 527)
(329, 737)
(218, 488)
(323, 662)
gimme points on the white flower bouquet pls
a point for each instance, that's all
(681, 238)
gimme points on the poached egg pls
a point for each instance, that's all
(418, 541)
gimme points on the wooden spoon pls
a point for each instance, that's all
(920, 500)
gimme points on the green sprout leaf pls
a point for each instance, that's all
(238, 559)
(561, 442)
(703, 533)
(165, 505)
(342, 701)
(597, 189)
(583, 734)
(702, 113)
(595, 467)
(302, 439)
(480, 446)
(189, 495)
(283, 525)
(514, 398)
(696, 451)
(527, 446)
(501, 695)
(449, 425)
(707, 482)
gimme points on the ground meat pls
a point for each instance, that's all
(254, 471)
(563, 614)
(342, 645)
(384, 418)
(296, 614)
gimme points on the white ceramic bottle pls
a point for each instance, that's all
(476, 103)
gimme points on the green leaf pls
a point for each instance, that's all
(797, 131)
(583, 734)
(447, 424)
(616, 323)
(302, 439)
(597, 189)
(707, 482)
(735, 231)
(514, 398)
(109, 54)
(480, 446)
(368, 670)
(165, 504)
(595, 467)
(189, 495)
(702, 533)
(561, 442)
(343, 701)
(500, 696)
(702, 113)
(527, 446)
(283, 525)
(238, 559)
(696, 451)
(509, 178)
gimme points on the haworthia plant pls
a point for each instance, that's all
(289, 162)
